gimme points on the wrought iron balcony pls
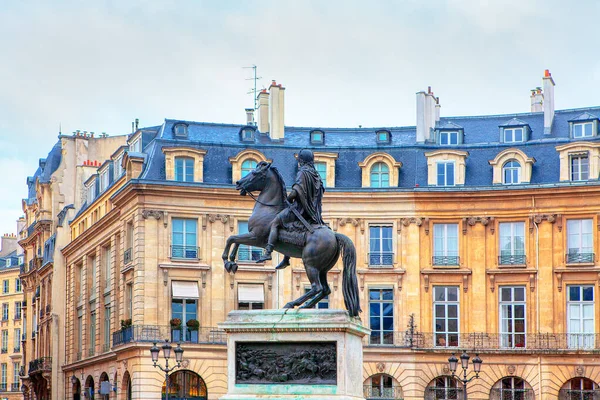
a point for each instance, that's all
(579, 258)
(15, 387)
(515, 259)
(389, 338)
(185, 252)
(3, 387)
(127, 256)
(386, 393)
(247, 253)
(91, 351)
(156, 333)
(43, 364)
(17, 349)
(381, 259)
(572, 394)
(78, 356)
(4, 351)
(446, 260)
(433, 393)
(106, 348)
(520, 394)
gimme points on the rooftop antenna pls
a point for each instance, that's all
(254, 78)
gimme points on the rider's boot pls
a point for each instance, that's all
(267, 255)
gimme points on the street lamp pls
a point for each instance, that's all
(464, 363)
(154, 350)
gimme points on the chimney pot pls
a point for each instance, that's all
(547, 73)
(548, 104)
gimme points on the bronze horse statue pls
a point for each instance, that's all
(319, 249)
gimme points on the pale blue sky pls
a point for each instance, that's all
(98, 65)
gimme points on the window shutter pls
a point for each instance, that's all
(251, 293)
(185, 290)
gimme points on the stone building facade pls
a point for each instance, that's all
(475, 233)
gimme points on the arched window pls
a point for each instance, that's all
(380, 175)
(248, 166)
(381, 386)
(512, 388)
(579, 389)
(186, 385)
(444, 388)
(89, 388)
(184, 169)
(511, 172)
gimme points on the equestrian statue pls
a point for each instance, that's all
(292, 225)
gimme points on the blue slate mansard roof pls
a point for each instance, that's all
(353, 145)
(46, 168)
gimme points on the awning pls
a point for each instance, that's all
(251, 293)
(185, 289)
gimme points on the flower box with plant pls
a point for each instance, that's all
(125, 323)
(175, 323)
(193, 324)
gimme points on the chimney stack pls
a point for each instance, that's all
(263, 111)
(537, 100)
(548, 102)
(427, 114)
(438, 107)
(276, 111)
(250, 116)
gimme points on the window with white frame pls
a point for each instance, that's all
(184, 308)
(316, 137)
(381, 251)
(248, 166)
(106, 261)
(185, 243)
(445, 244)
(580, 316)
(380, 175)
(107, 333)
(323, 303)
(17, 340)
(118, 167)
(16, 370)
(512, 243)
(247, 253)
(580, 239)
(184, 169)
(381, 316)
(247, 135)
(93, 268)
(3, 376)
(104, 181)
(251, 297)
(5, 286)
(444, 388)
(5, 311)
(584, 129)
(91, 192)
(446, 315)
(513, 135)
(512, 316)
(445, 173)
(5, 341)
(381, 386)
(136, 147)
(448, 138)
(8, 262)
(511, 172)
(18, 309)
(18, 288)
(92, 344)
(321, 168)
(580, 167)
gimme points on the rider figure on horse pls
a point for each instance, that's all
(306, 197)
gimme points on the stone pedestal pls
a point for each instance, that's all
(294, 354)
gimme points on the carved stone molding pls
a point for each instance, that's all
(380, 367)
(539, 218)
(471, 221)
(217, 217)
(413, 220)
(354, 221)
(203, 275)
(156, 214)
(559, 279)
(270, 282)
(231, 280)
(426, 282)
(511, 369)
(580, 370)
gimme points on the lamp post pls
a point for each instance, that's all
(154, 350)
(464, 362)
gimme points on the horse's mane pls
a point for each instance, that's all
(281, 183)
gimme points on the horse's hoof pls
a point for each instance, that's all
(234, 267)
(289, 305)
(231, 266)
(227, 266)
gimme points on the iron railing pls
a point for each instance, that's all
(378, 393)
(17, 349)
(158, 333)
(439, 393)
(4, 351)
(106, 348)
(127, 256)
(572, 394)
(247, 253)
(180, 251)
(579, 258)
(3, 387)
(446, 260)
(78, 356)
(511, 394)
(515, 259)
(388, 338)
(40, 365)
(381, 259)
(15, 387)
(92, 351)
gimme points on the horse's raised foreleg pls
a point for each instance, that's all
(244, 238)
(234, 251)
(315, 287)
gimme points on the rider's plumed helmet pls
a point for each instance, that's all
(305, 156)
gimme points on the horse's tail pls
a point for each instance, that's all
(349, 283)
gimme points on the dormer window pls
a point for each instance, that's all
(8, 262)
(383, 136)
(247, 134)
(317, 137)
(91, 192)
(104, 181)
(118, 167)
(584, 129)
(513, 135)
(136, 147)
(448, 138)
(180, 130)
(447, 133)
(584, 126)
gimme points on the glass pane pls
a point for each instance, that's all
(388, 309)
(440, 311)
(452, 325)
(374, 294)
(450, 174)
(520, 294)
(439, 293)
(388, 294)
(452, 294)
(588, 293)
(505, 294)
(388, 323)
(440, 325)
(375, 309)
(452, 311)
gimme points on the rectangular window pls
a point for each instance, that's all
(583, 130)
(316, 137)
(81, 283)
(184, 169)
(580, 170)
(92, 346)
(118, 167)
(129, 295)
(580, 241)
(136, 147)
(512, 243)
(513, 135)
(16, 380)
(580, 317)
(5, 286)
(445, 244)
(445, 173)
(448, 138)
(323, 303)
(18, 309)
(247, 253)
(381, 316)
(380, 246)
(4, 311)
(93, 277)
(184, 238)
(17, 340)
(91, 192)
(321, 168)
(104, 180)
(251, 297)
(445, 314)
(79, 336)
(128, 253)
(3, 377)
(18, 285)
(106, 260)
(184, 310)
(512, 316)
(4, 341)
(106, 328)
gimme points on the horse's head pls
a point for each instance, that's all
(255, 180)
